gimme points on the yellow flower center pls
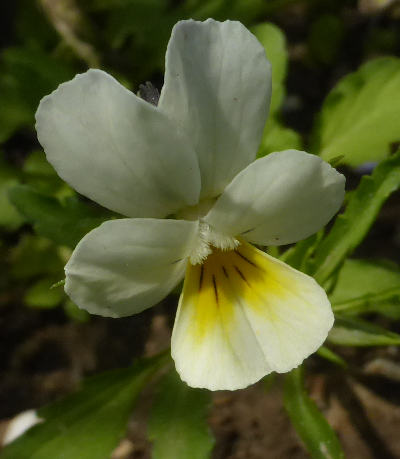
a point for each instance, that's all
(225, 278)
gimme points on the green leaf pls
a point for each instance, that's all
(26, 75)
(359, 118)
(32, 27)
(357, 332)
(40, 295)
(336, 161)
(386, 303)
(277, 137)
(203, 9)
(58, 284)
(38, 173)
(364, 277)
(325, 37)
(75, 313)
(35, 256)
(34, 73)
(10, 219)
(317, 435)
(245, 11)
(299, 255)
(129, 24)
(14, 112)
(274, 42)
(36, 164)
(328, 354)
(64, 223)
(268, 381)
(178, 423)
(89, 423)
(367, 286)
(351, 227)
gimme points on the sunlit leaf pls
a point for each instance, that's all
(359, 118)
(89, 423)
(274, 42)
(357, 332)
(317, 435)
(351, 227)
(367, 286)
(277, 137)
(41, 296)
(178, 423)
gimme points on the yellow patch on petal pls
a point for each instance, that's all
(213, 287)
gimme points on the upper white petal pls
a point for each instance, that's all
(217, 88)
(127, 265)
(117, 149)
(244, 314)
(279, 199)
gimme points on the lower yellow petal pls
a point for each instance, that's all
(243, 314)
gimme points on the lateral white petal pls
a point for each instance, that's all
(279, 199)
(117, 149)
(217, 88)
(244, 314)
(125, 266)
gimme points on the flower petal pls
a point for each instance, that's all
(244, 314)
(217, 88)
(19, 424)
(117, 149)
(279, 199)
(125, 266)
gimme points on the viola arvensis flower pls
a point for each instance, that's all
(185, 174)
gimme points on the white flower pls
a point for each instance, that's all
(19, 424)
(184, 173)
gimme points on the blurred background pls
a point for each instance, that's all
(47, 345)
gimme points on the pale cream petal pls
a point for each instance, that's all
(117, 149)
(217, 89)
(125, 266)
(244, 314)
(279, 199)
